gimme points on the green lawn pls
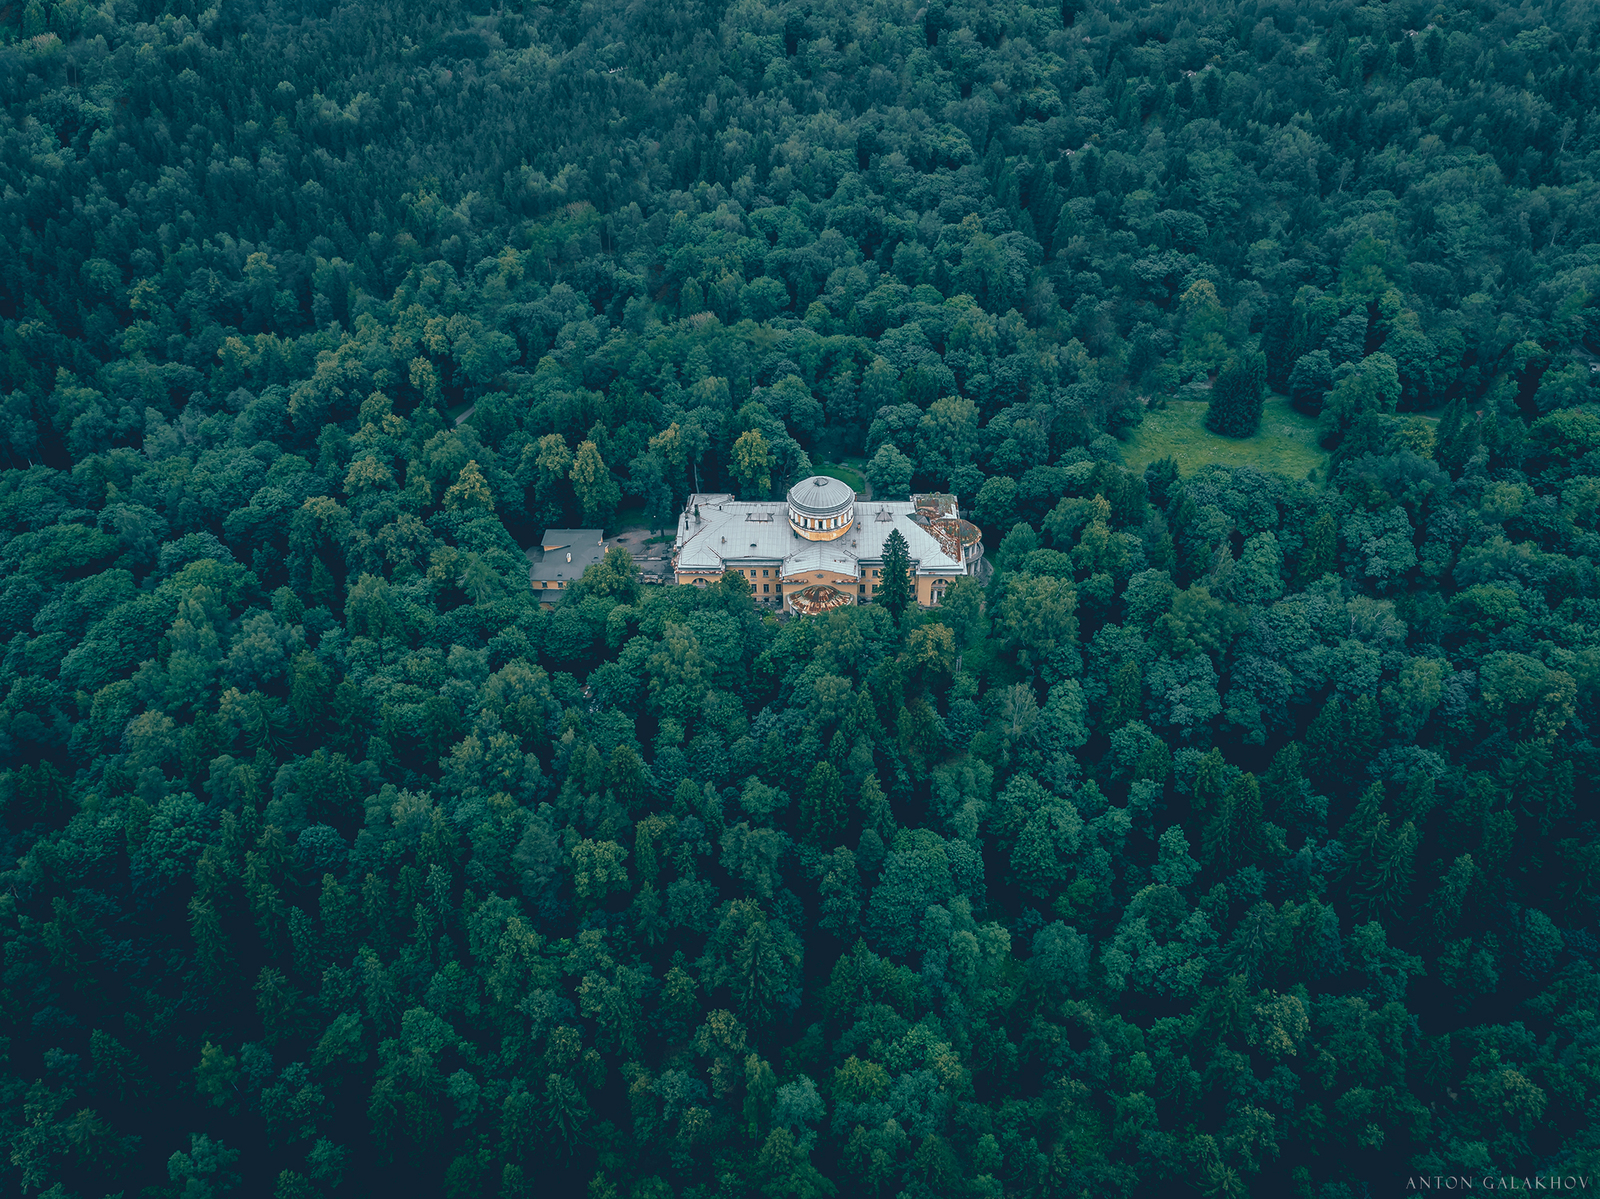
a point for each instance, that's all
(1286, 442)
(846, 474)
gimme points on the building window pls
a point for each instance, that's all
(763, 574)
(863, 588)
(766, 587)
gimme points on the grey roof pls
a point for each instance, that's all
(733, 531)
(729, 529)
(560, 539)
(920, 544)
(584, 546)
(820, 496)
(822, 555)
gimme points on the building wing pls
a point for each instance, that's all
(873, 531)
(562, 556)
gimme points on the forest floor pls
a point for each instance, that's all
(1286, 441)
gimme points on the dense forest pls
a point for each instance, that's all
(1234, 836)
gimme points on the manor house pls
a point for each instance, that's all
(821, 547)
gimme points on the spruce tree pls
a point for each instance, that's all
(1195, 553)
(1217, 849)
(1387, 876)
(1233, 835)
(1284, 783)
(1451, 897)
(822, 809)
(894, 593)
(1321, 553)
(1325, 738)
(1365, 835)
(1249, 831)
(1160, 478)
(1126, 691)
(873, 805)
(1236, 397)
(1208, 787)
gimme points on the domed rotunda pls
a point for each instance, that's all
(834, 550)
(821, 509)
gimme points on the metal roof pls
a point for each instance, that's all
(820, 496)
(821, 555)
(565, 555)
(560, 539)
(923, 547)
(730, 530)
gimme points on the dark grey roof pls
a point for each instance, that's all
(560, 539)
(566, 553)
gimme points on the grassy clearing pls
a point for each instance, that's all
(1286, 443)
(846, 474)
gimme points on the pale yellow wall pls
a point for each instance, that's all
(773, 580)
(921, 590)
(847, 583)
(806, 578)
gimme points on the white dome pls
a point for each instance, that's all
(820, 496)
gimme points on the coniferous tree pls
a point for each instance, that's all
(822, 808)
(1236, 397)
(1321, 553)
(1124, 702)
(895, 591)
